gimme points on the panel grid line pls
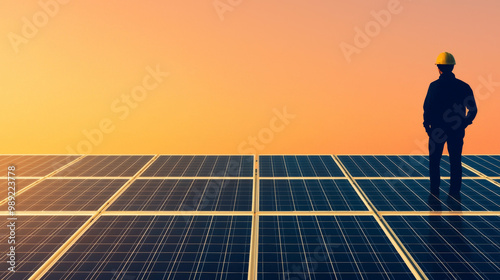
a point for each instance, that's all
(481, 174)
(195, 178)
(302, 241)
(477, 194)
(251, 213)
(439, 213)
(22, 177)
(254, 237)
(408, 178)
(488, 164)
(302, 178)
(329, 252)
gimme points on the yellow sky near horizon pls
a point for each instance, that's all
(209, 77)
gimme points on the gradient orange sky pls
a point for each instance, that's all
(244, 76)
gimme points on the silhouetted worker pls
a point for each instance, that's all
(449, 108)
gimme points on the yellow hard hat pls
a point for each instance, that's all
(445, 58)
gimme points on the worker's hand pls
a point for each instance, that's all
(428, 130)
(464, 125)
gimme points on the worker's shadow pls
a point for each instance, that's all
(434, 203)
(453, 203)
(445, 234)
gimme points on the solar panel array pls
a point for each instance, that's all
(248, 217)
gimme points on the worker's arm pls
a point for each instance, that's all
(471, 106)
(427, 110)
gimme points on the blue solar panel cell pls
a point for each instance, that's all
(69, 194)
(159, 247)
(298, 166)
(326, 247)
(201, 166)
(488, 165)
(394, 166)
(36, 239)
(451, 247)
(35, 165)
(105, 166)
(312, 221)
(309, 195)
(414, 195)
(186, 195)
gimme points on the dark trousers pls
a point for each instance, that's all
(455, 140)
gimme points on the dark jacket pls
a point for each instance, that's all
(446, 103)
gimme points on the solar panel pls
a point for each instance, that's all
(452, 247)
(186, 195)
(159, 247)
(414, 195)
(68, 194)
(201, 166)
(326, 247)
(298, 166)
(219, 217)
(105, 166)
(35, 165)
(36, 239)
(395, 166)
(488, 165)
(309, 195)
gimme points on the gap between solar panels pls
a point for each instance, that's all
(408, 259)
(188, 178)
(50, 262)
(3, 201)
(254, 236)
(91, 177)
(52, 213)
(481, 174)
(439, 213)
(406, 178)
